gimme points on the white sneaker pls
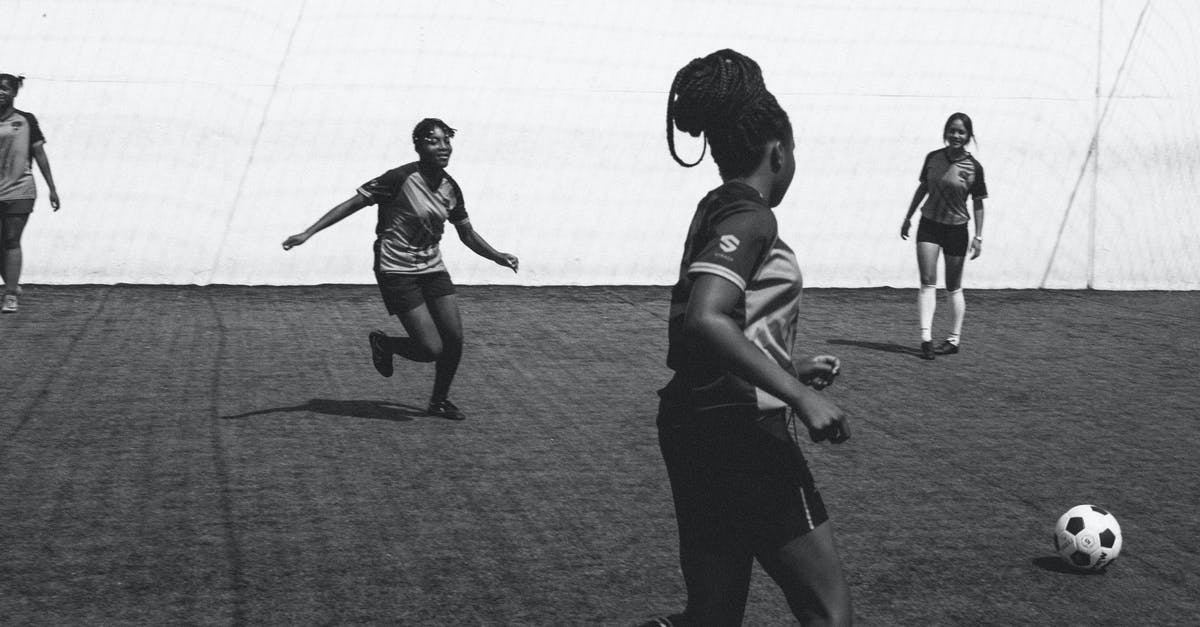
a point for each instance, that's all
(10, 304)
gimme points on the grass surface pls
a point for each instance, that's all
(227, 455)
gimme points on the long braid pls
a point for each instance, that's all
(723, 96)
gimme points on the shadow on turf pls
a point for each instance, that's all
(1055, 564)
(378, 410)
(880, 346)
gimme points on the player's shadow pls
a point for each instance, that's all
(375, 410)
(1055, 564)
(880, 346)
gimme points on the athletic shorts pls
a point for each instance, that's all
(953, 238)
(16, 206)
(405, 292)
(739, 479)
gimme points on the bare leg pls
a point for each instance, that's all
(927, 260)
(12, 269)
(958, 301)
(423, 342)
(954, 272)
(11, 227)
(809, 572)
(448, 320)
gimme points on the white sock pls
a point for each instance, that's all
(958, 304)
(926, 303)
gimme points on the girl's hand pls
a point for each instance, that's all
(819, 372)
(54, 199)
(976, 247)
(904, 228)
(295, 240)
(509, 261)
(825, 421)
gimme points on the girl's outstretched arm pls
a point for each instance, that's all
(331, 217)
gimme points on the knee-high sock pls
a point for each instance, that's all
(926, 303)
(958, 303)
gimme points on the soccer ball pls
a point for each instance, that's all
(1087, 537)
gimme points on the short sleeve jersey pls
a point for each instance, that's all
(19, 133)
(734, 235)
(412, 217)
(948, 183)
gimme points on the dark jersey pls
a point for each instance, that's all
(734, 235)
(949, 183)
(412, 218)
(19, 133)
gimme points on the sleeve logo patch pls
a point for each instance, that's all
(729, 243)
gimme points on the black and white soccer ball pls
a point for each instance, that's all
(1087, 537)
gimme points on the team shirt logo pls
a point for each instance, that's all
(729, 243)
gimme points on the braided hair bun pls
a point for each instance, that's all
(723, 96)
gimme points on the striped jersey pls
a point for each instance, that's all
(19, 133)
(734, 235)
(948, 184)
(412, 217)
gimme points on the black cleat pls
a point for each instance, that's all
(380, 355)
(947, 348)
(927, 350)
(445, 409)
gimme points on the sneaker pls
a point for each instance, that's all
(926, 350)
(10, 304)
(445, 409)
(380, 355)
(947, 348)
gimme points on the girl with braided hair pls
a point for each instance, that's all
(415, 201)
(741, 486)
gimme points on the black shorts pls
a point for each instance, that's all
(16, 206)
(953, 238)
(739, 479)
(405, 292)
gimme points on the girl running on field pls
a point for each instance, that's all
(21, 142)
(415, 201)
(741, 486)
(948, 176)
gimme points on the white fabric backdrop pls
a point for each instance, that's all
(189, 138)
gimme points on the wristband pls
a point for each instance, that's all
(979, 237)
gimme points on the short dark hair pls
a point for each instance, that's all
(965, 119)
(424, 127)
(15, 81)
(723, 96)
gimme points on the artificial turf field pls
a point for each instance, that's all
(228, 456)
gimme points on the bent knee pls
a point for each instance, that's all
(452, 342)
(432, 352)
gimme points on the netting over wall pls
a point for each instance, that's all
(189, 138)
